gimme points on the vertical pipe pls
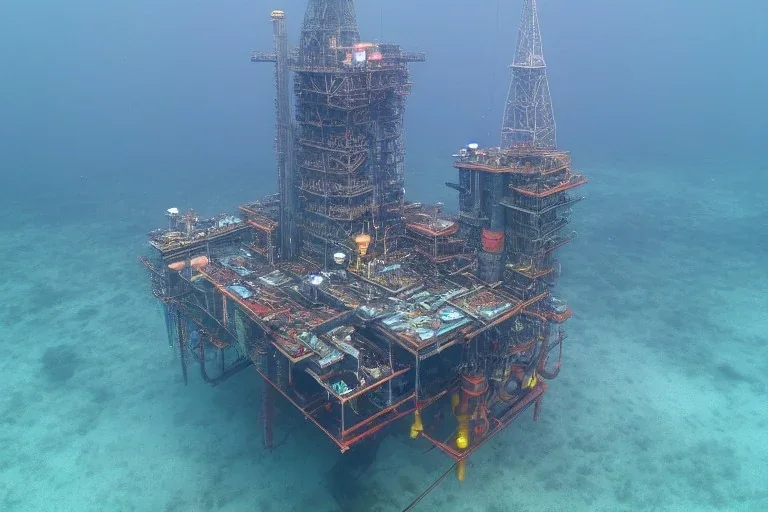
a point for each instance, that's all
(180, 329)
(392, 368)
(280, 376)
(170, 316)
(267, 393)
(416, 386)
(203, 371)
(284, 146)
(267, 411)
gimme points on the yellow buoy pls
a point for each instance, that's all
(462, 437)
(416, 427)
(530, 382)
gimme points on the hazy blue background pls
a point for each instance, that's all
(164, 90)
(112, 112)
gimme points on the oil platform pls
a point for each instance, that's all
(356, 305)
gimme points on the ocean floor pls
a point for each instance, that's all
(661, 404)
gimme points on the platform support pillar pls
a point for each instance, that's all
(537, 409)
(267, 413)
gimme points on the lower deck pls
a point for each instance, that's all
(351, 356)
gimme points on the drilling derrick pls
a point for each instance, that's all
(328, 25)
(515, 203)
(349, 110)
(528, 116)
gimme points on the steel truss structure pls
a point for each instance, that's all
(355, 305)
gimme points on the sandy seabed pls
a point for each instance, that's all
(661, 405)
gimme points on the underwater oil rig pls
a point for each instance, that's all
(356, 305)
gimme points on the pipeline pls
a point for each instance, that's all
(526, 376)
(503, 394)
(232, 370)
(429, 489)
(180, 329)
(551, 374)
(543, 356)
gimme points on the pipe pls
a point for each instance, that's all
(180, 329)
(551, 374)
(225, 374)
(267, 410)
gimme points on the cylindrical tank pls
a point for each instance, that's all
(199, 262)
(177, 266)
(493, 241)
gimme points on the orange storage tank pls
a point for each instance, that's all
(493, 241)
(199, 262)
(179, 265)
(363, 240)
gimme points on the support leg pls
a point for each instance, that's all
(537, 409)
(267, 411)
(181, 328)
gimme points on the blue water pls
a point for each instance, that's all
(111, 114)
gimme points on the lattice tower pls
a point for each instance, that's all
(528, 117)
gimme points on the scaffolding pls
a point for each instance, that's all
(349, 112)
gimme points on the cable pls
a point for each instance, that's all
(429, 489)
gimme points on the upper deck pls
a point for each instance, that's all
(517, 160)
(187, 234)
(298, 304)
